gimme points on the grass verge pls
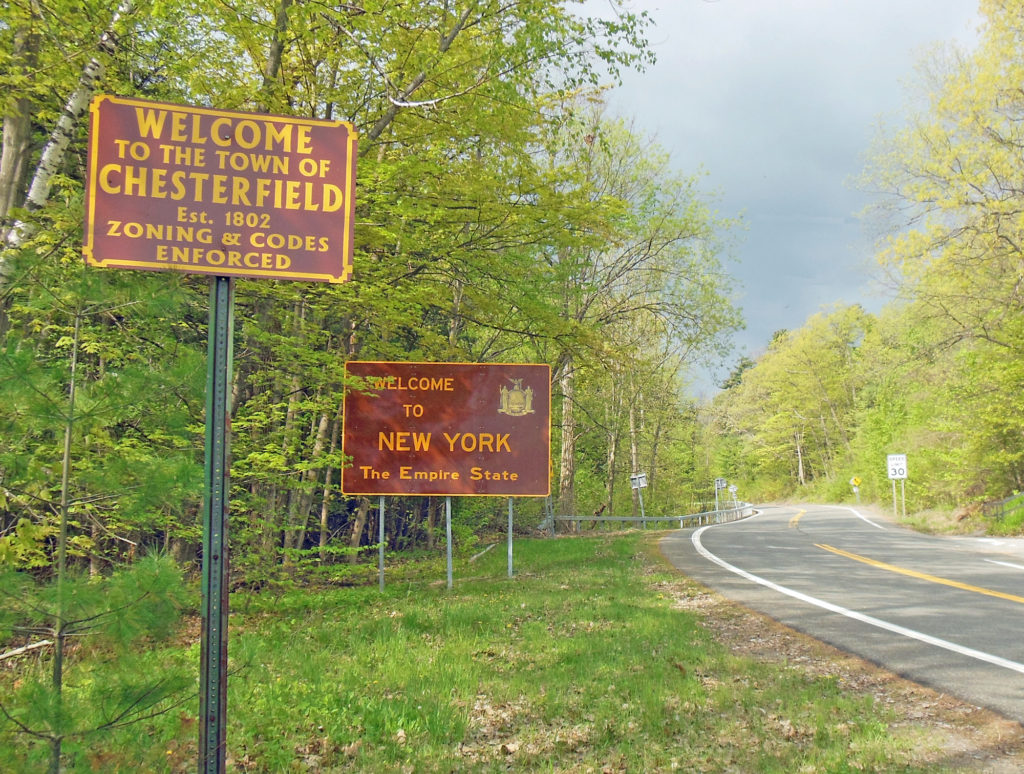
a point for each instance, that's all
(581, 662)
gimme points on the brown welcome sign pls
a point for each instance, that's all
(178, 188)
(448, 429)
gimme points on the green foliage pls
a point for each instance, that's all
(111, 680)
(142, 600)
(791, 413)
(133, 466)
(25, 548)
(1013, 524)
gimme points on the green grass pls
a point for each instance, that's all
(578, 663)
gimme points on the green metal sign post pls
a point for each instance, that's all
(213, 667)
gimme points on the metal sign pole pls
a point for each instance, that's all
(510, 537)
(380, 541)
(213, 666)
(895, 512)
(448, 534)
(903, 495)
(643, 517)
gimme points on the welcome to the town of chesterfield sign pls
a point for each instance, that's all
(179, 188)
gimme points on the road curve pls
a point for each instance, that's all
(947, 612)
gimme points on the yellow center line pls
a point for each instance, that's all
(921, 575)
(796, 519)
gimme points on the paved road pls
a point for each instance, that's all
(944, 611)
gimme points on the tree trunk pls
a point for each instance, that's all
(799, 461)
(59, 616)
(362, 512)
(183, 551)
(309, 477)
(269, 535)
(653, 467)
(17, 130)
(274, 55)
(325, 505)
(567, 471)
(52, 158)
(94, 559)
(455, 323)
(634, 455)
(826, 455)
(432, 507)
(613, 445)
(291, 413)
(613, 408)
(290, 497)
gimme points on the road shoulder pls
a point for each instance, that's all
(947, 733)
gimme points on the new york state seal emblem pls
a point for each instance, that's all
(516, 401)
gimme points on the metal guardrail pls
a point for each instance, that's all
(1000, 509)
(720, 516)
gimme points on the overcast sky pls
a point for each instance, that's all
(777, 101)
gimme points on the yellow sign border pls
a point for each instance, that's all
(547, 429)
(88, 241)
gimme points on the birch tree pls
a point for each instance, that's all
(16, 148)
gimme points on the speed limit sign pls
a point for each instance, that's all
(897, 464)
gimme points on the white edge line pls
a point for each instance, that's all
(1007, 564)
(870, 620)
(860, 516)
